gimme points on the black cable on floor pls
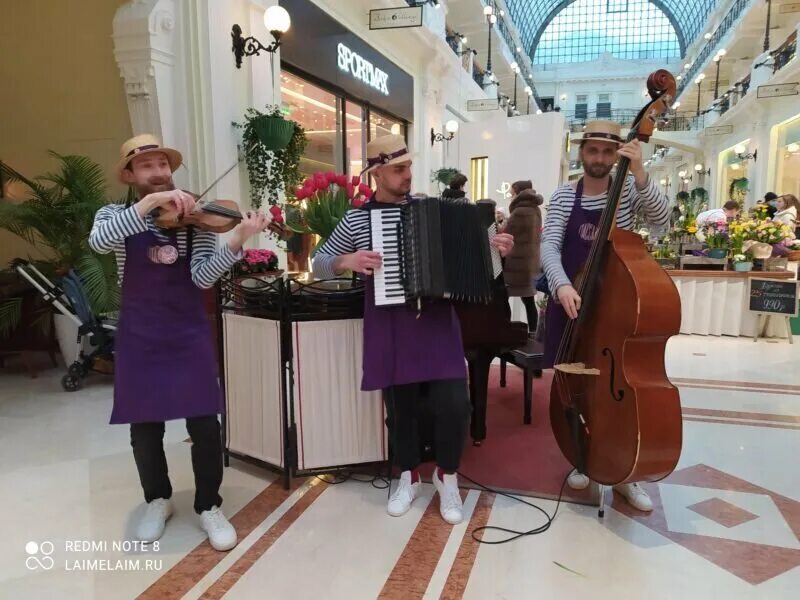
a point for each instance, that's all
(515, 535)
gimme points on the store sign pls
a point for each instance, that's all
(778, 90)
(395, 18)
(791, 7)
(718, 130)
(483, 104)
(674, 158)
(334, 58)
(362, 69)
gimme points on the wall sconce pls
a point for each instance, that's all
(277, 22)
(793, 148)
(742, 154)
(451, 127)
(698, 168)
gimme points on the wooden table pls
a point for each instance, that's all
(716, 302)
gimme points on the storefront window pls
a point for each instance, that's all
(316, 110)
(787, 180)
(355, 137)
(380, 125)
(479, 177)
(735, 174)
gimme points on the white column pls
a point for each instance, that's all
(182, 83)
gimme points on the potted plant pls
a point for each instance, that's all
(444, 175)
(738, 189)
(273, 147)
(57, 217)
(321, 202)
(742, 263)
(715, 236)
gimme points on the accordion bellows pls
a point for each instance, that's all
(433, 248)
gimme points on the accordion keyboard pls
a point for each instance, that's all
(385, 225)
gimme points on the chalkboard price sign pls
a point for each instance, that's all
(771, 296)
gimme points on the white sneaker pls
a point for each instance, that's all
(151, 526)
(403, 496)
(577, 481)
(220, 532)
(450, 505)
(636, 496)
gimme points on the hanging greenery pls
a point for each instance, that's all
(272, 164)
(738, 189)
(444, 175)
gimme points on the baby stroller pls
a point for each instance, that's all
(70, 299)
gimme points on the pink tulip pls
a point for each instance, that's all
(341, 180)
(350, 190)
(330, 177)
(358, 202)
(365, 189)
(301, 193)
(320, 182)
(356, 180)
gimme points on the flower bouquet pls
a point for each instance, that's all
(256, 262)
(322, 201)
(716, 238)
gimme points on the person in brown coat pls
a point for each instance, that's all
(522, 264)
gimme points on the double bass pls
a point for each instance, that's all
(613, 411)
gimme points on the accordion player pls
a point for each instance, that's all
(434, 248)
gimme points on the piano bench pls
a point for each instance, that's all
(529, 359)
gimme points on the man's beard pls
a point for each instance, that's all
(155, 184)
(598, 171)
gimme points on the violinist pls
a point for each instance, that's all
(570, 228)
(165, 363)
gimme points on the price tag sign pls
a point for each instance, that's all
(773, 297)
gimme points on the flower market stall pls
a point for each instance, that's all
(712, 264)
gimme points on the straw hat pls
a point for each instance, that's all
(603, 131)
(386, 150)
(146, 144)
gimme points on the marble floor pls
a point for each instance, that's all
(726, 523)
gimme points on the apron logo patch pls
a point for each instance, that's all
(163, 255)
(588, 232)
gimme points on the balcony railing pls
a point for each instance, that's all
(735, 11)
(784, 53)
(682, 122)
(734, 95)
(576, 119)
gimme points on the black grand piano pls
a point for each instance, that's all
(488, 332)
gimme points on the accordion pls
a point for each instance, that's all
(434, 248)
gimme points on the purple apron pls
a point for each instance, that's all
(578, 237)
(164, 362)
(400, 348)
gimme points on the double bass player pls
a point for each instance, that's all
(570, 228)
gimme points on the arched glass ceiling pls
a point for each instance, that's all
(586, 29)
(688, 17)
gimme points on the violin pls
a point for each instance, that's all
(613, 411)
(219, 216)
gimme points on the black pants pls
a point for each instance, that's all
(444, 405)
(147, 440)
(531, 312)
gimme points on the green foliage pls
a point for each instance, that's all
(10, 314)
(444, 175)
(322, 213)
(59, 215)
(738, 189)
(270, 171)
